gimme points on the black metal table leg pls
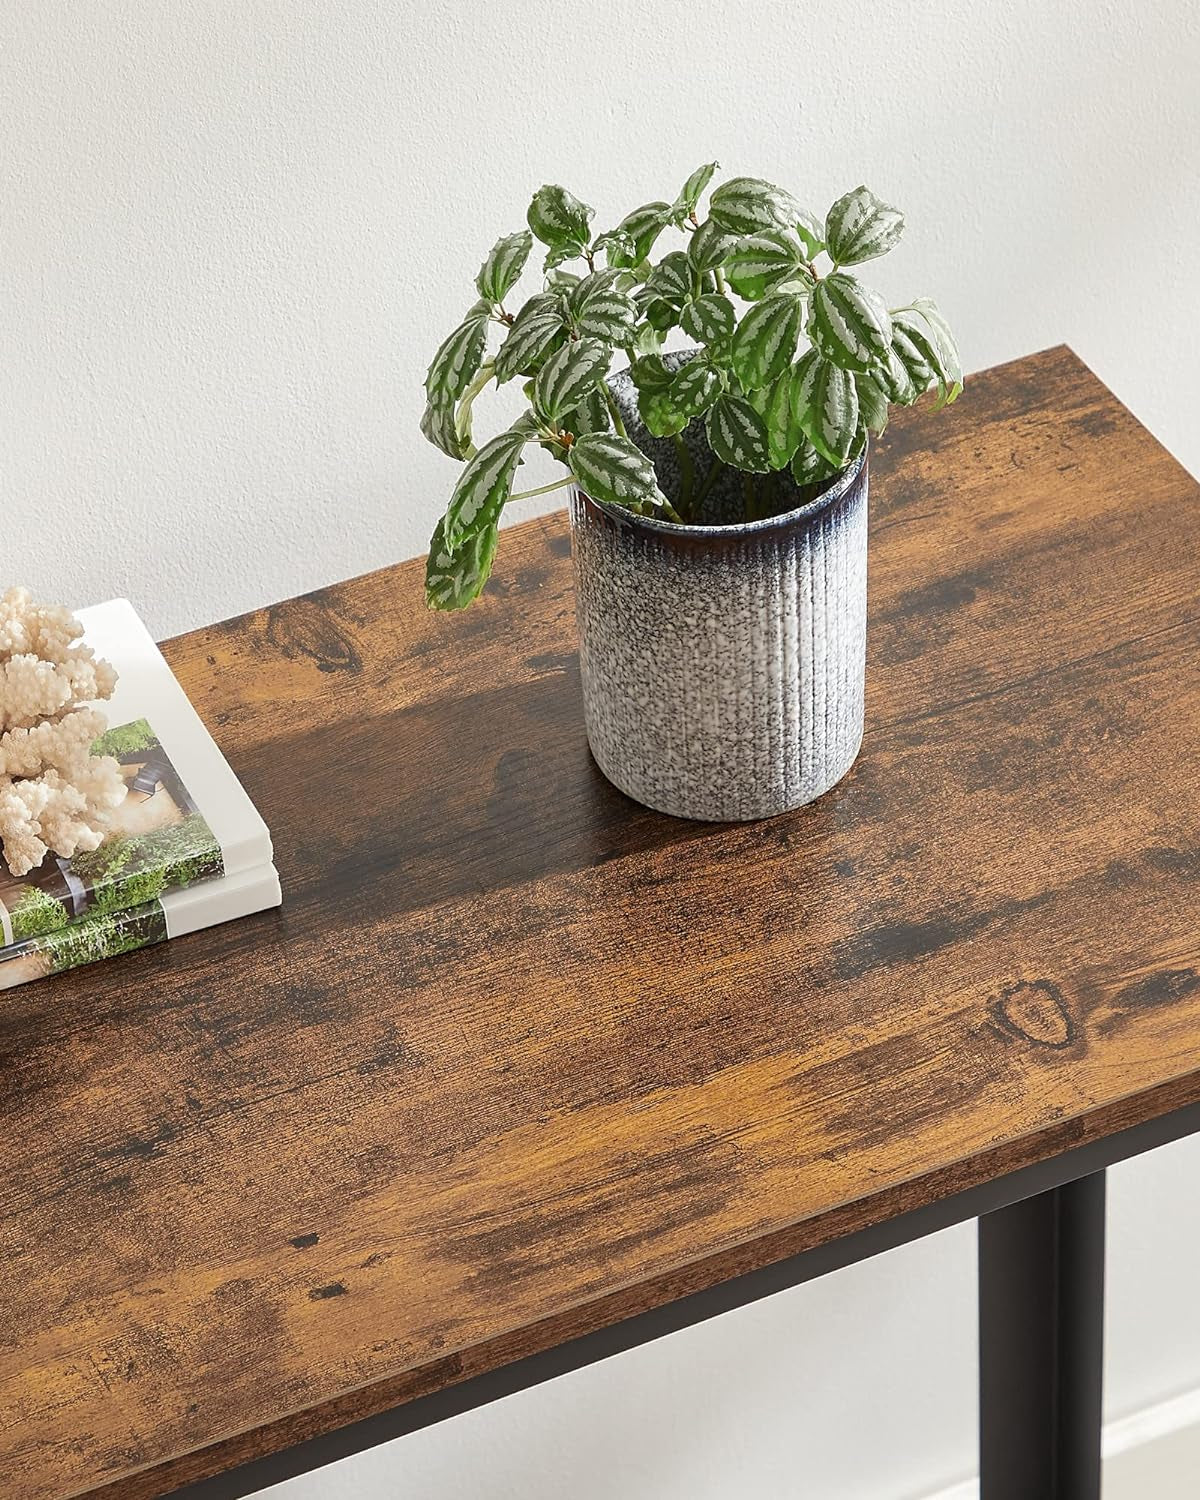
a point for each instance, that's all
(1041, 1345)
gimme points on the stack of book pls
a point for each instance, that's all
(185, 850)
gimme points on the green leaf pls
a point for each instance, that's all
(709, 318)
(642, 227)
(784, 432)
(502, 269)
(483, 487)
(618, 248)
(761, 262)
(912, 355)
(948, 364)
(591, 415)
(537, 329)
(609, 467)
(710, 246)
(651, 374)
(662, 316)
(746, 205)
(670, 280)
(695, 387)
(662, 416)
(893, 377)
(694, 187)
(809, 466)
(567, 376)
(440, 426)
(737, 435)
(850, 324)
(598, 309)
(455, 576)
(559, 220)
(812, 231)
(458, 358)
(765, 342)
(872, 401)
(826, 406)
(647, 340)
(859, 227)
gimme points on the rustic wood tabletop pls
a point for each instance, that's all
(519, 1058)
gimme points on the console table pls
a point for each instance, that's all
(523, 1074)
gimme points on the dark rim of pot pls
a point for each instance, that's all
(680, 531)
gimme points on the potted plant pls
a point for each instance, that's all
(719, 491)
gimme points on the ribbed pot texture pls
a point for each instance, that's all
(723, 665)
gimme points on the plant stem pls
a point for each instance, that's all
(687, 471)
(614, 410)
(706, 485)
(544, 489)
(462, 417)
(720, 278)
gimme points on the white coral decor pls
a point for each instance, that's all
(55, 795)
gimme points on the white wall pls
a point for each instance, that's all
(233, 231)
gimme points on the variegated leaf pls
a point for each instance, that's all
(647, 340)
(537, 329)
(650, 373)
(458, 358)
(661, 414)
(695, 387)
(600, 310)
(709, 318)
(913, 358)
(710, 246)
(567, 376)
(746, 205)
(761, 262)
(850, 324)
(809, 466)
(558, 218)
(618, 248)
(502, 269)
(483, 487)
(455, 576)
(737, 435)
(440, 426)
(826, 406)
(591, 415)
(872, 401)
(811, 230)
(893, 377)
(643, 226)
(609, 467)
(765, 342)
(662, 315)
(946, 361)
(670, 280)
(693, 188)
(859, 227)
(779, 414)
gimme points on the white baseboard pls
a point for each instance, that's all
(1154, 1452)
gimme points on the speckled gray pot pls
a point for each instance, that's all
(723, 665)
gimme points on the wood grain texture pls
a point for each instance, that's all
(518, 1057)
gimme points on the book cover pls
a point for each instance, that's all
(186, 819)
(158, 840)
(112, 933)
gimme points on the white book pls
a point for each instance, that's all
(148, 689)
(174, 914)
(186, 849)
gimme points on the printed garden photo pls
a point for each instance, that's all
(105, 902)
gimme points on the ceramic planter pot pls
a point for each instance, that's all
(723, 666)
